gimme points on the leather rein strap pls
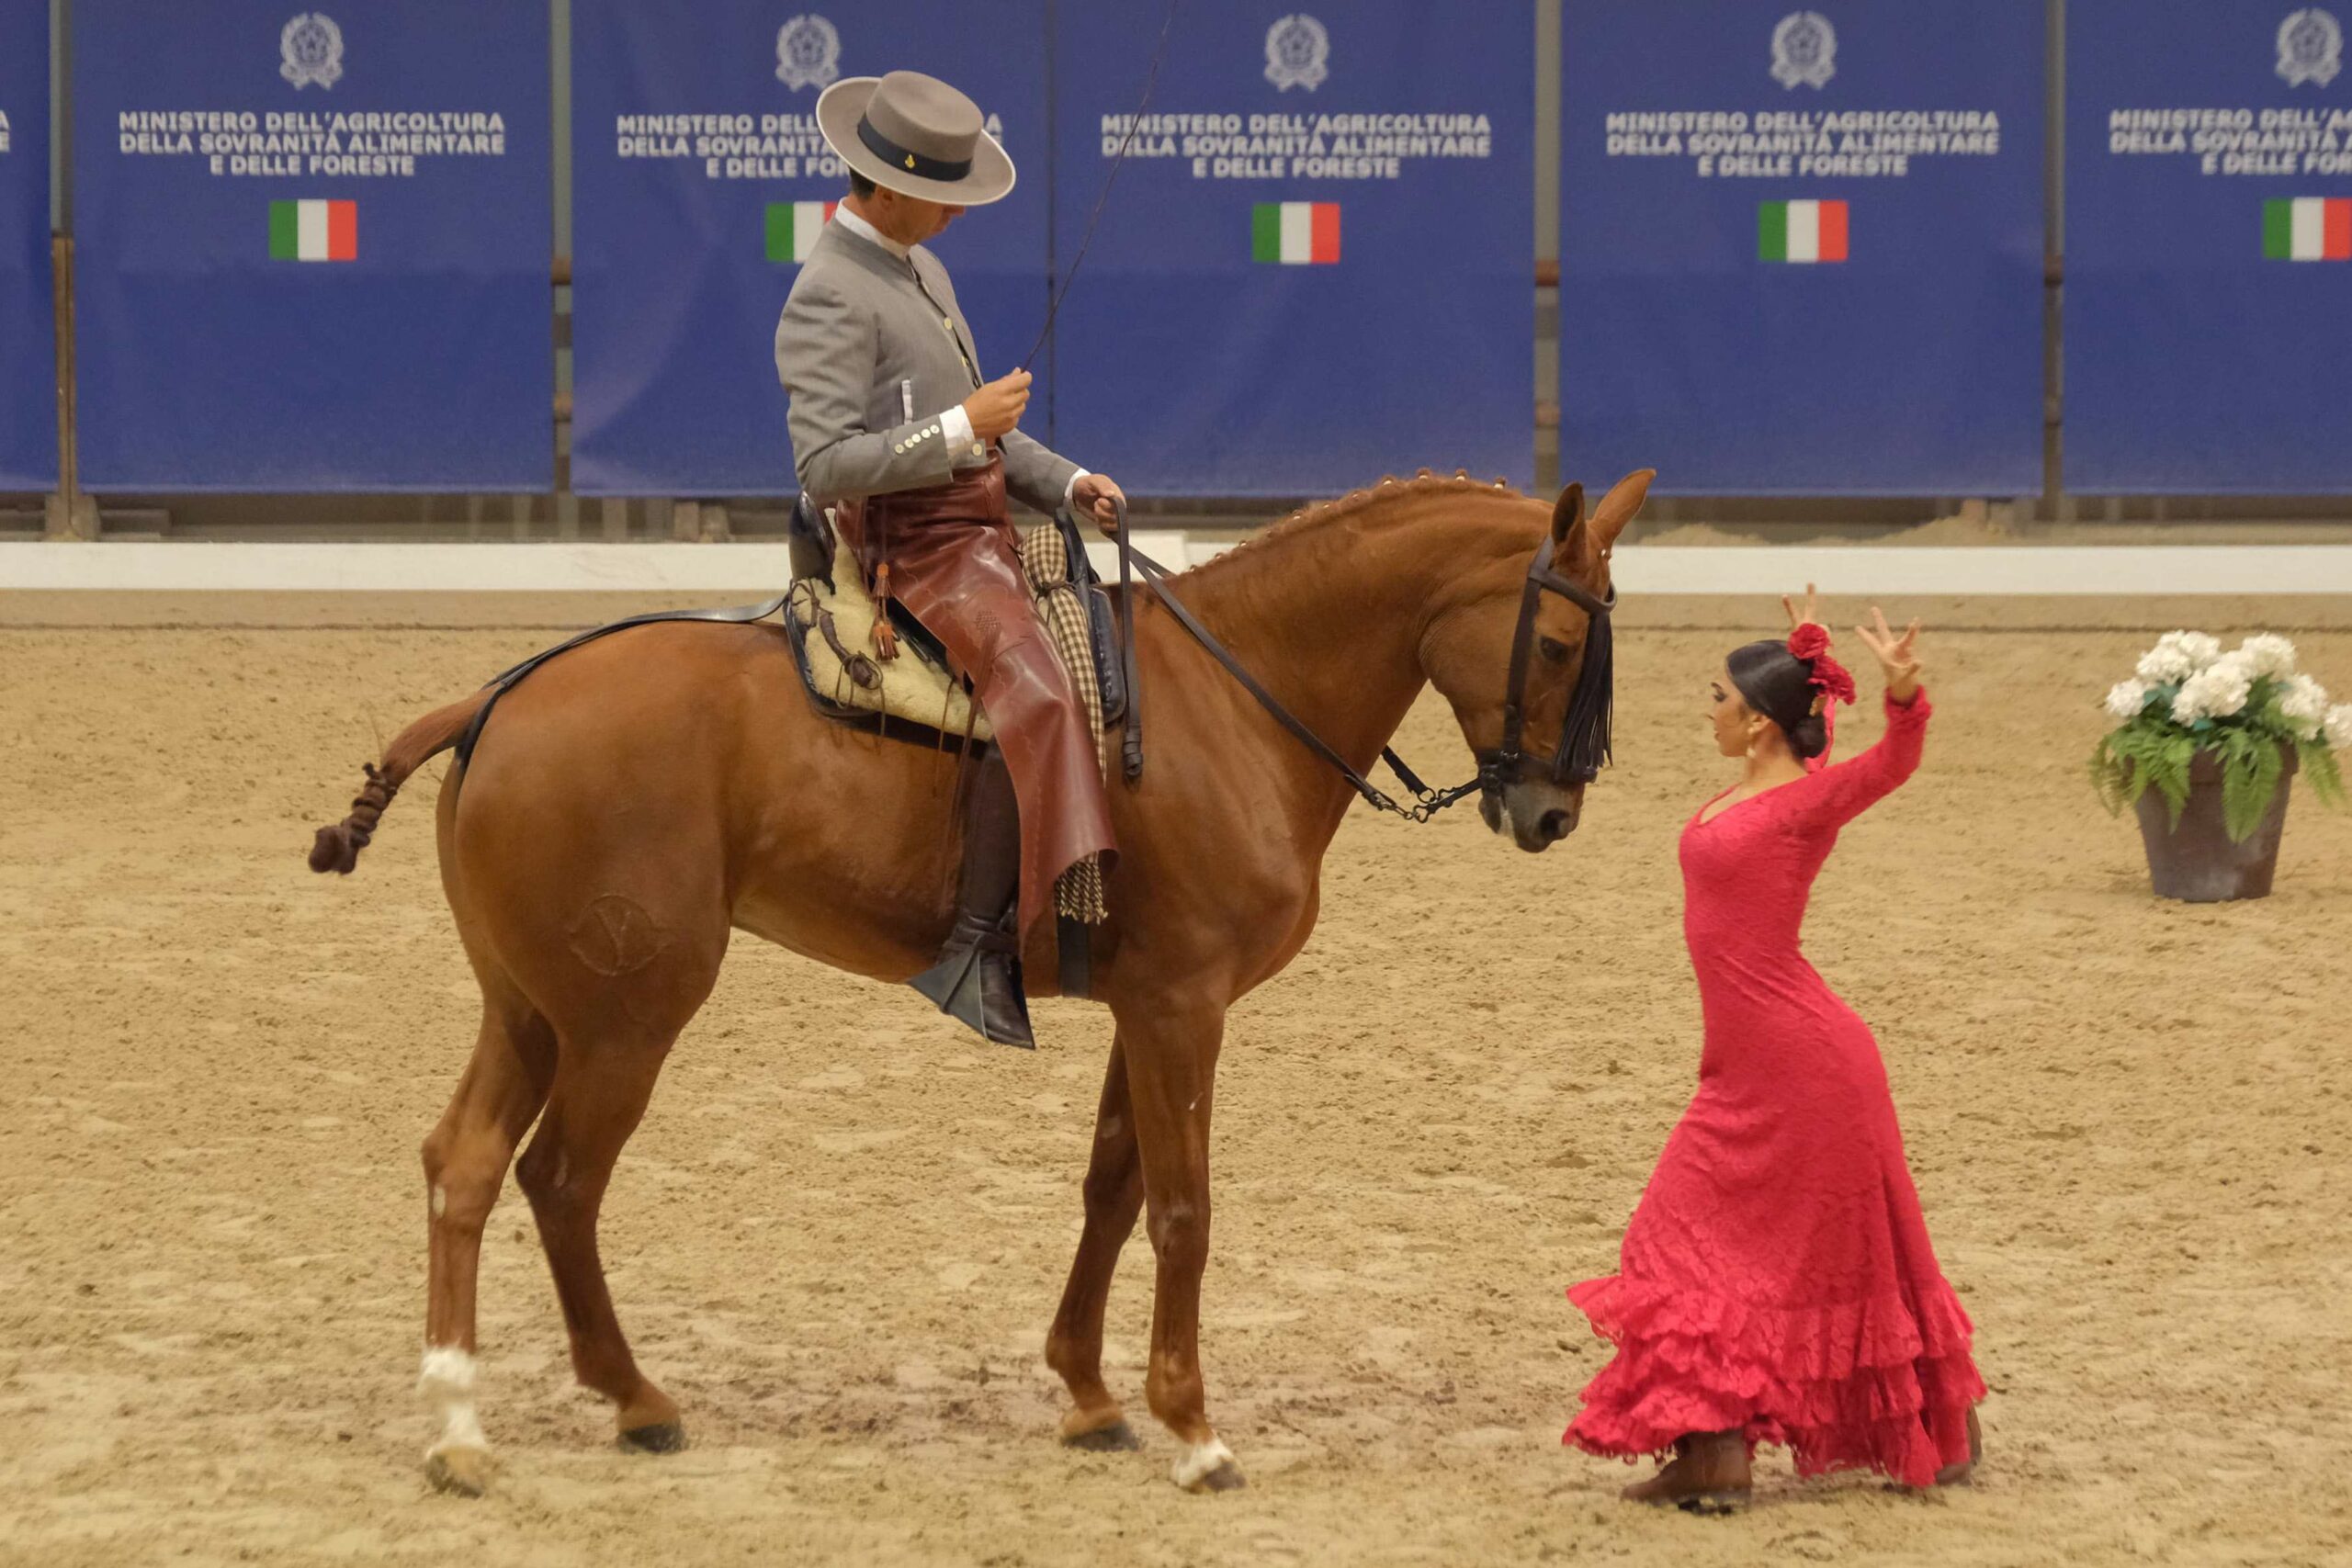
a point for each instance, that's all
(1494, 771)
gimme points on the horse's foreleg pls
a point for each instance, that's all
(600, 1089)
(1114, 1198)
(466, 1158)
(1171, 1050)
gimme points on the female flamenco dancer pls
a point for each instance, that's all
(1776, 1284)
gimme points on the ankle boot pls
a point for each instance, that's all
(977, 977)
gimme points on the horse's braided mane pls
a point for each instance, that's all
(1316, 514)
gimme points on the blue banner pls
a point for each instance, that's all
(1802, 251)
(2208, 248)
(1316, 264)
(699, 177)
(312, 247)
(28, 335)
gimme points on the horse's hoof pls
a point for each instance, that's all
(1118, 1438)
(460, 1473)
(1208, 1467)
(1226, 1477)
(662, 1437)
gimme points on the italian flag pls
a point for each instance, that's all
(1295, 233)
(314, 231)
(1801, 231)
(2308, 227)
(793, 228)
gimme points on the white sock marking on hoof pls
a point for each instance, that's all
(446, 1380)
(1195, 1463)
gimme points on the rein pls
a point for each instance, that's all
(1584, 735)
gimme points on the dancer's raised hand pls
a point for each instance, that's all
(1897, 655)
(1811, 615)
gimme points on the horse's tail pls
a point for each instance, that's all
(337, 847)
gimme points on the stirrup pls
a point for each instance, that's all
(977, 982)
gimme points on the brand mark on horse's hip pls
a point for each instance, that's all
(614, 936)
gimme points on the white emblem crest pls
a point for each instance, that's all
(807, 53)
(2311, 47)
(313, 47)
(1804, 51)
(1298, 52)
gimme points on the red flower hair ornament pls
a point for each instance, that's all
(1809, 642)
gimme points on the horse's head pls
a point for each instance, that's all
(1524, 654)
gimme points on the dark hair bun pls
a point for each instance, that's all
(1810, 739)
(1778, 685)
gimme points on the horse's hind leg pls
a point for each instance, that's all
(600, 1089)
(465, 1164)
(1114, 1198)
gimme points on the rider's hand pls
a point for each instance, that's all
(1099, 496)
(996, 409)
(1898, 656)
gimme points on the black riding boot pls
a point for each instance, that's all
(977, 977)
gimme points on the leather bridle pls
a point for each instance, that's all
(1584, 747)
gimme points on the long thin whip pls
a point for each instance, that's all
(1150, 85)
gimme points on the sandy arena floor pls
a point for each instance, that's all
(839, 1237)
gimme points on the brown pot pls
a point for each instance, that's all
(2196, 862)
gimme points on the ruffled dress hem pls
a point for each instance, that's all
(1883, 1384)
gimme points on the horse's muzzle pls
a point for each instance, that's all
(1537, 815)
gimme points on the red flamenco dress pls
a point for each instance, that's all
(1776, 1279)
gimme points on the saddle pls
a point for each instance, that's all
(830, 616)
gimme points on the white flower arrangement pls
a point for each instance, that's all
(2248, 706)
(2304, 704)
(2176, 656)
(2218, 690)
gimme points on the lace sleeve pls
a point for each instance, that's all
(1838, 794)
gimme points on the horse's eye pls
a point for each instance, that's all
(1553, 650)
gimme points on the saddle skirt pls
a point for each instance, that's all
(830, 616)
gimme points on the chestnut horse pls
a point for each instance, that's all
(638, 799)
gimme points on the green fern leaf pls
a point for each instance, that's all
(2167, 762)
(2322, 771)
(2250, 772)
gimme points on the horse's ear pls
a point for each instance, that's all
(1568, 513)
(1618, 507)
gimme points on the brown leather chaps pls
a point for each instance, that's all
(955, 560)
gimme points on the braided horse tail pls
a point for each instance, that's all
(337, 847)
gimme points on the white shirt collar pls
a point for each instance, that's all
(867, 231)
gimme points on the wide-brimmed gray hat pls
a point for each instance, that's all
(916, 135)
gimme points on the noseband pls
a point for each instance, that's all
(1584, 747)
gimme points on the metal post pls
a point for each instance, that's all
(69, 514)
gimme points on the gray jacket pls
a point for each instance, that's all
(866, 336)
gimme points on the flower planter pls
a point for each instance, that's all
(2196, 862)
